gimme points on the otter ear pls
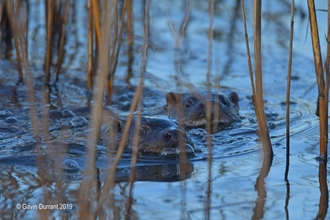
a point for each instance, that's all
(233, 97)
(173, 98)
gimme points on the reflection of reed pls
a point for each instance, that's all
(324, 198)
(258, 211)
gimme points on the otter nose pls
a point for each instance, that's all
(175, 134)
(202, 104)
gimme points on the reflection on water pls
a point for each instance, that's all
(54, 176)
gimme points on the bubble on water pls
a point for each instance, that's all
(186, 149)
(78, 122)
(168, 152)
(5, 112)
(212, 138)
(11, 119)
(70, 166)
(20, 143)
(67, 113)
(198, 132)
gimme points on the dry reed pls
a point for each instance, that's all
(14, 11)
(258, 102)
(49, 15)
(139, 107)
(322, 93)
(288, 87)
(60, 55)
(90, 45)
(90, 167)
(208, 111)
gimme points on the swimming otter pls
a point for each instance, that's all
(156, 134)
(190, 108)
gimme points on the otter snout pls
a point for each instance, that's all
(176, 135)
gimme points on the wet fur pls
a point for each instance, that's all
(190, 108)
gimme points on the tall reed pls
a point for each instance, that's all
(208, 111)
(288, 87)
(321, 84)
(90, 170)
(257, 97)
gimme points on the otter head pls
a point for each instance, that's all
(154, 134)
(190, 108)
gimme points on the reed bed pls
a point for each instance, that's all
(106, 25)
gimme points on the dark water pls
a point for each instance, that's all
(158, 193)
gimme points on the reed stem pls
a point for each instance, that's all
(49, 15)
(139, 107)
(208, 111)
(93, 137)
(288, 87)
(322, 93)
(90, 46)
(258, 96)
(62, 40)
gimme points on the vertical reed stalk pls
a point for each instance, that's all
(130, 32)
(258, 97)
(90, 168)
(258, 102)
(2, 7)
(322, 93)
(96, 18)
(114, 24)
(62, 38)
(324, 197)
(138, 119)
(49, 15)
(248, 48)
(327, 81)
(288, 87)
(19, 27)
(110, 182)
(208, 110)
(12, 14)
(90, 46)
(115, 49)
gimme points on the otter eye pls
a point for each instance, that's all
(189, 103)
(144, 130)
(223, 100)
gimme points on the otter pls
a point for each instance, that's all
(190, 108)
(158, 135)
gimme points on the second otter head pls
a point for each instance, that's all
(190, 108)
